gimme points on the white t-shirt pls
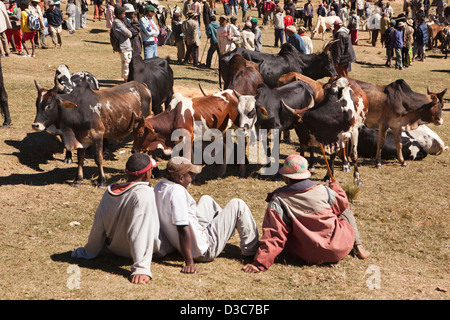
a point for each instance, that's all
(176, 207)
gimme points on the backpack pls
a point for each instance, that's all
(354, 23)
(114, 41)
(33, 22)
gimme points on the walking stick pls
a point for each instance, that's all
(326, 161)
(207, 40)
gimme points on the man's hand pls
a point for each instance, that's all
(189, 269)
(139, 279)
(250, 268)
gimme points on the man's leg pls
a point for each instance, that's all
(348, 216)
(235, 215)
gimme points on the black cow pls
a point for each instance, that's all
(273, 66)
(157, 74)
(85, 117)
(367, 147)
(69, 81)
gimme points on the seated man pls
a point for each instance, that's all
(200, 231)
(309, 220)
(126, 221)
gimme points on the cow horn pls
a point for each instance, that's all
(327, 46)
(238, 95)
(38, 86)
(201, 89)
(58, 85)
(293, 111)
(428, 90)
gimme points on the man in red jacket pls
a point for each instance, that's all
(311, 221)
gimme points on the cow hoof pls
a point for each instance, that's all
(312, 168)
(68, 161)
(404, 164)
(378, 166)
(76, 183)
(346, 168)
(358, 183)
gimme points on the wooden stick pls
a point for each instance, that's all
(326, 161)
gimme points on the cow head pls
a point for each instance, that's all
(434, 113)
(247, 111)
(145, 138)
(48, 104)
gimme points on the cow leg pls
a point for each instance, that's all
(68, 158)
(312, 160)
(345, 158)
(382, 130)
(81, 152)
(397, 132)
(98, 155)
(354, 147)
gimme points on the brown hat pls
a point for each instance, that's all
(181, 166)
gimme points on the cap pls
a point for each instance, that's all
(190, 13)
(181, 166)
(338, 22)
(118, 10)
(295, 167)
(51, 3)
(401, 25)
(149, 7)
(139, 163)
(292, 29)
(393, 22)
(223, 17)
(128, 7)
(254, 20)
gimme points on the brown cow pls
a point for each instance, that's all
(244, 76)
(84, 117)
(434, 34)
(395, 106)
(194, 115)
(361, 104)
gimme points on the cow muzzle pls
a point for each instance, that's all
(37, 126)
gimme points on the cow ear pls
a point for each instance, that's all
(263, 111)
(67, 104)
(441, 95)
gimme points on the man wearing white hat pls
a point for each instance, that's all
(200, 231)
(295, 39)
(311, 221)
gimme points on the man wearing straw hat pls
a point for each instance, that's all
(311, 221)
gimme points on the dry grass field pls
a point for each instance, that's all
(402, 213)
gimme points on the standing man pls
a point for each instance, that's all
(309, 220)
(211, 33)
(278, 24)
(200, 231)
(308, 12)
(258, 34)
(149, 32)
(15, 16)
(397, 45)
(353, 26)
(421, 38)
(54, 19)
(27, 34)
(5, 24)
(123, 35)
(132, 23)
(126, 221)
(178, 36)
(227, 36)
(190, 29)
(388, 43)
(408, 43)
(36, 10)
(342, 52)
(247, 37)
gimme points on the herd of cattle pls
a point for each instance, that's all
(260, 91)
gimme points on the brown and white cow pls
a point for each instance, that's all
(395, 106)
(84, 117)
(194, 115)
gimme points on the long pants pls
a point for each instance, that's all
(279, 35)
(348, 216)
(308, 23)
(56, 35)
(4, 44)
(221, 224)
(213, 48)
(407, 56)
(15, 34)
(180, 50)
(83, 19)
(39, 39)
(398, 58)
(98, 11)
(191, 50)
(375, 36)
(354, 36)
(125, 58)
(150, 51)
(71, 23)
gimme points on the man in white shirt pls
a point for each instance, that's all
(126, 221)
(200, 231)
(227, 35)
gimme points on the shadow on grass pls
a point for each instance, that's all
(109, 83)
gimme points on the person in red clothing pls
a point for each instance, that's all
(309, 220)
(288, 21)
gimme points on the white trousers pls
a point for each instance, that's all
(221, 224)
